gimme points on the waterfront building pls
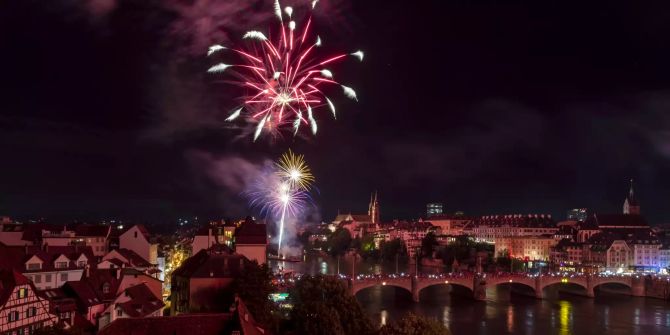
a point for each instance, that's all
(449, 224)
(488, 228)
(533, 248)
(360, 225)
(22, 310)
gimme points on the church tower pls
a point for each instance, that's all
(630, 205)
(373, 208)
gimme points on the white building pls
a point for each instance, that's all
(137, 239)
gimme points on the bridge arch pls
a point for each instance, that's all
(358, 286)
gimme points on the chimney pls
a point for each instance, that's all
(118, 273)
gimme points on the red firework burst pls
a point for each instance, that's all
(284, 80)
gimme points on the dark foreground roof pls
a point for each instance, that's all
(185, 324)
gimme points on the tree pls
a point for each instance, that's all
(254, 287)
(412, 324)
(389, 250)
(339, 242)
(428, 244)
(322, 305)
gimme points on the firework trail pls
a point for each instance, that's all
(284, 79)
(283, 190)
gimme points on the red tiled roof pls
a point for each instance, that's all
(185, 324)
(142, 301)
(209, 264)
(9, 279)
(14, 257)
(134, 258)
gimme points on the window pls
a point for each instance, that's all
(63, 276)
(13, 316)
(119, 313)
(61, 265)
(105, 288)
(47, 278)
(21, 293)
(135, 234)
(37, 279)
(81, 264)
(32, 311)
(34, 266)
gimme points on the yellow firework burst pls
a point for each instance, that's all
(294, 170)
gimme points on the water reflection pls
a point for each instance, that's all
(565, 317)
(510, 319)
(504, 312)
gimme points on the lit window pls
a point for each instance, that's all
(21, 293)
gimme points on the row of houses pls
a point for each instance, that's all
(90, 276)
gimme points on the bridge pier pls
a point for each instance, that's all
(415, 289)
(478, 288)
(637, 287)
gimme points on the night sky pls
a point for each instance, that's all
(491, 107)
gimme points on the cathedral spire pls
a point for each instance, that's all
(630, 205)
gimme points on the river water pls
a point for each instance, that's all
(503, 312)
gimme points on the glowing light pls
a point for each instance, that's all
(283, 191)
(294, 170)
(282, 76)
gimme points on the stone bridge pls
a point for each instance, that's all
(478, 283)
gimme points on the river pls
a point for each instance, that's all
(502, 312)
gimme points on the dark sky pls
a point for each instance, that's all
(490, 107)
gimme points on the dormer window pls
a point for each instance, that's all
(61, 265)
(105, 288)
(81, 264)
(33, 266)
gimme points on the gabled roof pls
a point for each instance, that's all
(133, 258)
(14, 257)
(9, 279)
(142, 301)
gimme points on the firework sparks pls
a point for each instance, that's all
(293, 170)
(283, 76)
(282, 191)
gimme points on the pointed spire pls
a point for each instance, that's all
(631, 192)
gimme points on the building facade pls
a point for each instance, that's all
(22, 310)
